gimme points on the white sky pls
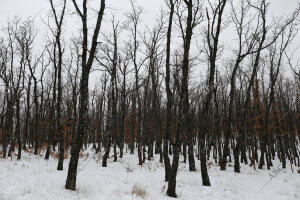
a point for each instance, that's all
(26, 8)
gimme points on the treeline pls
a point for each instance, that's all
(149, 100)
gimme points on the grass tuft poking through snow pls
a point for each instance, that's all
(138, 191)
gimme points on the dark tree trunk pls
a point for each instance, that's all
(36, 118)
(84, 89)
(78, 141)
(18, 131)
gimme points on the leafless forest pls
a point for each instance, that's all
(168, 90)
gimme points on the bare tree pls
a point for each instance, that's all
(246, 44)
(87, 58)
(133, 20)
(57, 32)
(110, 55)
(194, 17)
(171, 5)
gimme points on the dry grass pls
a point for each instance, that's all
(209, 164)
(138, 191)
(52, 154)
(57, 155)
(81, 154)
(27, 150)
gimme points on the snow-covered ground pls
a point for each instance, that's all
(33, 178)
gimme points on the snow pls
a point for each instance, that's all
(34, 178)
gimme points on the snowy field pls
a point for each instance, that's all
(33, 178)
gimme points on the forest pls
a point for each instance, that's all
(170, 95)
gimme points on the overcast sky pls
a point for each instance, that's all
(26, 8)
(38, 9)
